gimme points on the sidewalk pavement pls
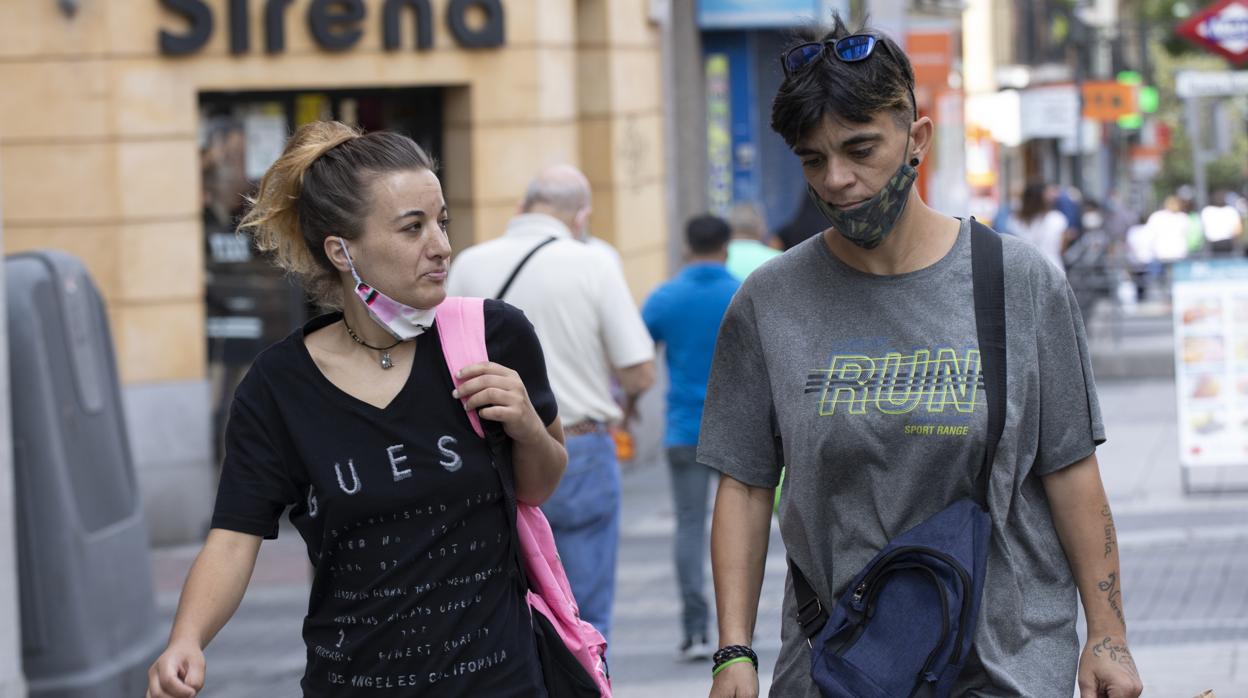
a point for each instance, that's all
(1184, 560)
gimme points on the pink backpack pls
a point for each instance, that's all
(461, 327)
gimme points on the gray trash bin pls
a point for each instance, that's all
(89, 622)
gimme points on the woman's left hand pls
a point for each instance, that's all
(498, 393)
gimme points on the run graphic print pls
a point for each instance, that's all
(938, 388)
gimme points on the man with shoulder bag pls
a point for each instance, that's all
(928, 385)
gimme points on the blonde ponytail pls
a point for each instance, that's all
(273, 219)
(318, 187)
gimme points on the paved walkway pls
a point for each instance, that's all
(1184, 558)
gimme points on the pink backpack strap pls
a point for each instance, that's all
(461, 327)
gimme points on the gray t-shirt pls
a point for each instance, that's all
(868, 388)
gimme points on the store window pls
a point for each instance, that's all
(250, 304)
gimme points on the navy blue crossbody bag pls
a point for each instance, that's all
(905, 624)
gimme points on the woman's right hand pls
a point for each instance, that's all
(178, 673)
(736, 681)
(214, 588)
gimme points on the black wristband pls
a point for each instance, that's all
(731, 652)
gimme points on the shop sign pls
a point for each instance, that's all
(1048, 112)
(1108, 100)
(1199, 83)
(334, 24)
(1146, 161)
(1222, 28)
(931, 57)
(754, 14)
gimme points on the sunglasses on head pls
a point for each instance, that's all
(849, 49)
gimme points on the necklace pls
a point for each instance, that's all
(385, 351)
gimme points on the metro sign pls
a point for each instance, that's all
(1222, 27)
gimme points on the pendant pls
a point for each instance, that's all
(385, 360)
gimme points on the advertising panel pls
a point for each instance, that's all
(1211, 361)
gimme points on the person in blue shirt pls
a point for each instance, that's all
(684, 314)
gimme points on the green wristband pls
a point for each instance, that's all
(730, 662)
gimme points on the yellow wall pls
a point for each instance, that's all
(98, 134)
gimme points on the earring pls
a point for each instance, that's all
(914, 162)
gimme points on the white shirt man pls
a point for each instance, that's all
(590, 328)
(1222, 225)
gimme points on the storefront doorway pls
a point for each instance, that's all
(249, 303)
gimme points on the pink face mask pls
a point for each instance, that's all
(402, 321)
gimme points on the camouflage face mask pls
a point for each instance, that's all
(868, 224)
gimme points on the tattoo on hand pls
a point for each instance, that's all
(1110, 532)
(1116, 653)
(1113, 594)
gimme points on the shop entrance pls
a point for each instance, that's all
(249, 303)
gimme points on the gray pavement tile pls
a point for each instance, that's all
(1185, 671)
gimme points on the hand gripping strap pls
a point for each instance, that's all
(461, 327)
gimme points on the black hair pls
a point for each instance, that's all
(854, 92)
(707, 234)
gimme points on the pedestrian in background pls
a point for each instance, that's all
(1167, 228)
(841, 358)
(804, 224)
(748, 251)
(620, 431)
(684, 315)
(1041, 224)
(590, 328)
(351, 423)
(1222, 224)
(1069, 201)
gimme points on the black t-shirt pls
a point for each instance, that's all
(402, 510)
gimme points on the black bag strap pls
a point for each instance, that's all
(988, 286)
(499, 446)
(514, 272)
(988, 280)
(500, 452)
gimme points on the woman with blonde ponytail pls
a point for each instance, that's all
(351, 424)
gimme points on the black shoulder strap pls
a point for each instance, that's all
(500, 453)
(499, 445)
(988, 283)
(514, 272)
(811, 615)
(988, 279)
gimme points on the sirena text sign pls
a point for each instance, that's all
(335, 25)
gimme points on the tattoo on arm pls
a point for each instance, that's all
(1113, 594)
(1110, 531)
(1116, 653)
